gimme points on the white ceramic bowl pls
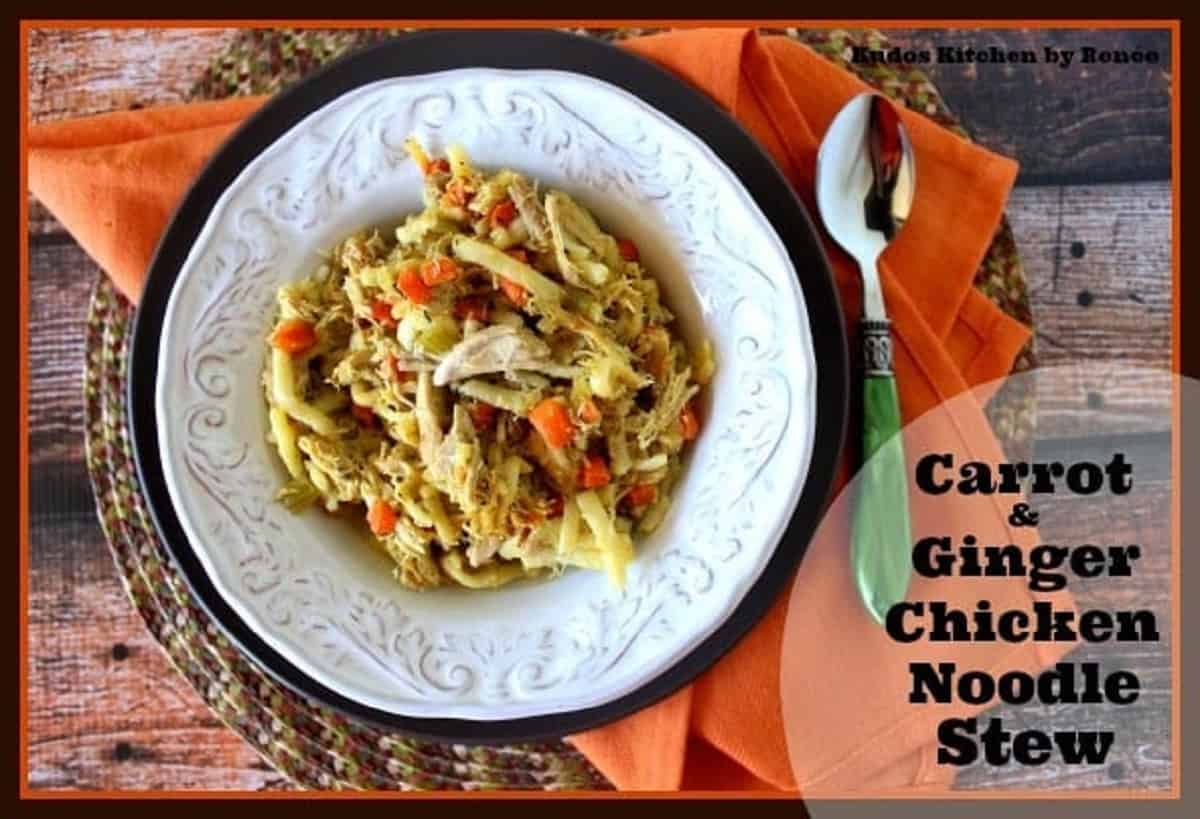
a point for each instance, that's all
(307, 584)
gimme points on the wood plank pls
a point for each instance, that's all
(60, 277)
(80, 71)
(1098, 261)
(199, 759)
(1085, 124)
(106, 709)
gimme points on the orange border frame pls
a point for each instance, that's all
(1173, 25)
(1176, 407)
(23, 415)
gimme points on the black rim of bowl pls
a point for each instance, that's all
(432, 51)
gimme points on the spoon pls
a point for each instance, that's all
(865, 187)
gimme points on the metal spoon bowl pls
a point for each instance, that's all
(866, 170)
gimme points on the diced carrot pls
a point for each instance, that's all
(641, 494)
(503, 213)
(589, 413)
(471, 307)
(381, 311)
(519, 253)
(551, 419)
(381, 517)
(294, 336)
(628, 250)
(439, 165)
(690, 422)
(555, 506)
(594, 472)
(483, 416)
(363, 415)
(515, 292)
(439, 271)
(411, 284)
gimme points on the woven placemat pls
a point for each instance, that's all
(312, 746)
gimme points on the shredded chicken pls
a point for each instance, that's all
(585, 254)
(524, 196)
(496, 349)
(412, 363)
(483, 549)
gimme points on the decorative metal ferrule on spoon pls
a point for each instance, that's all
(877, 347)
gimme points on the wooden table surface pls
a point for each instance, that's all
(1092, 217)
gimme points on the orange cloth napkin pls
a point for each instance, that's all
(114, 180)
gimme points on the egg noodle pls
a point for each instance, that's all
(495, 386)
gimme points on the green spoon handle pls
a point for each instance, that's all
(880, 547)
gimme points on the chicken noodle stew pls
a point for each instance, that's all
(496, 388)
